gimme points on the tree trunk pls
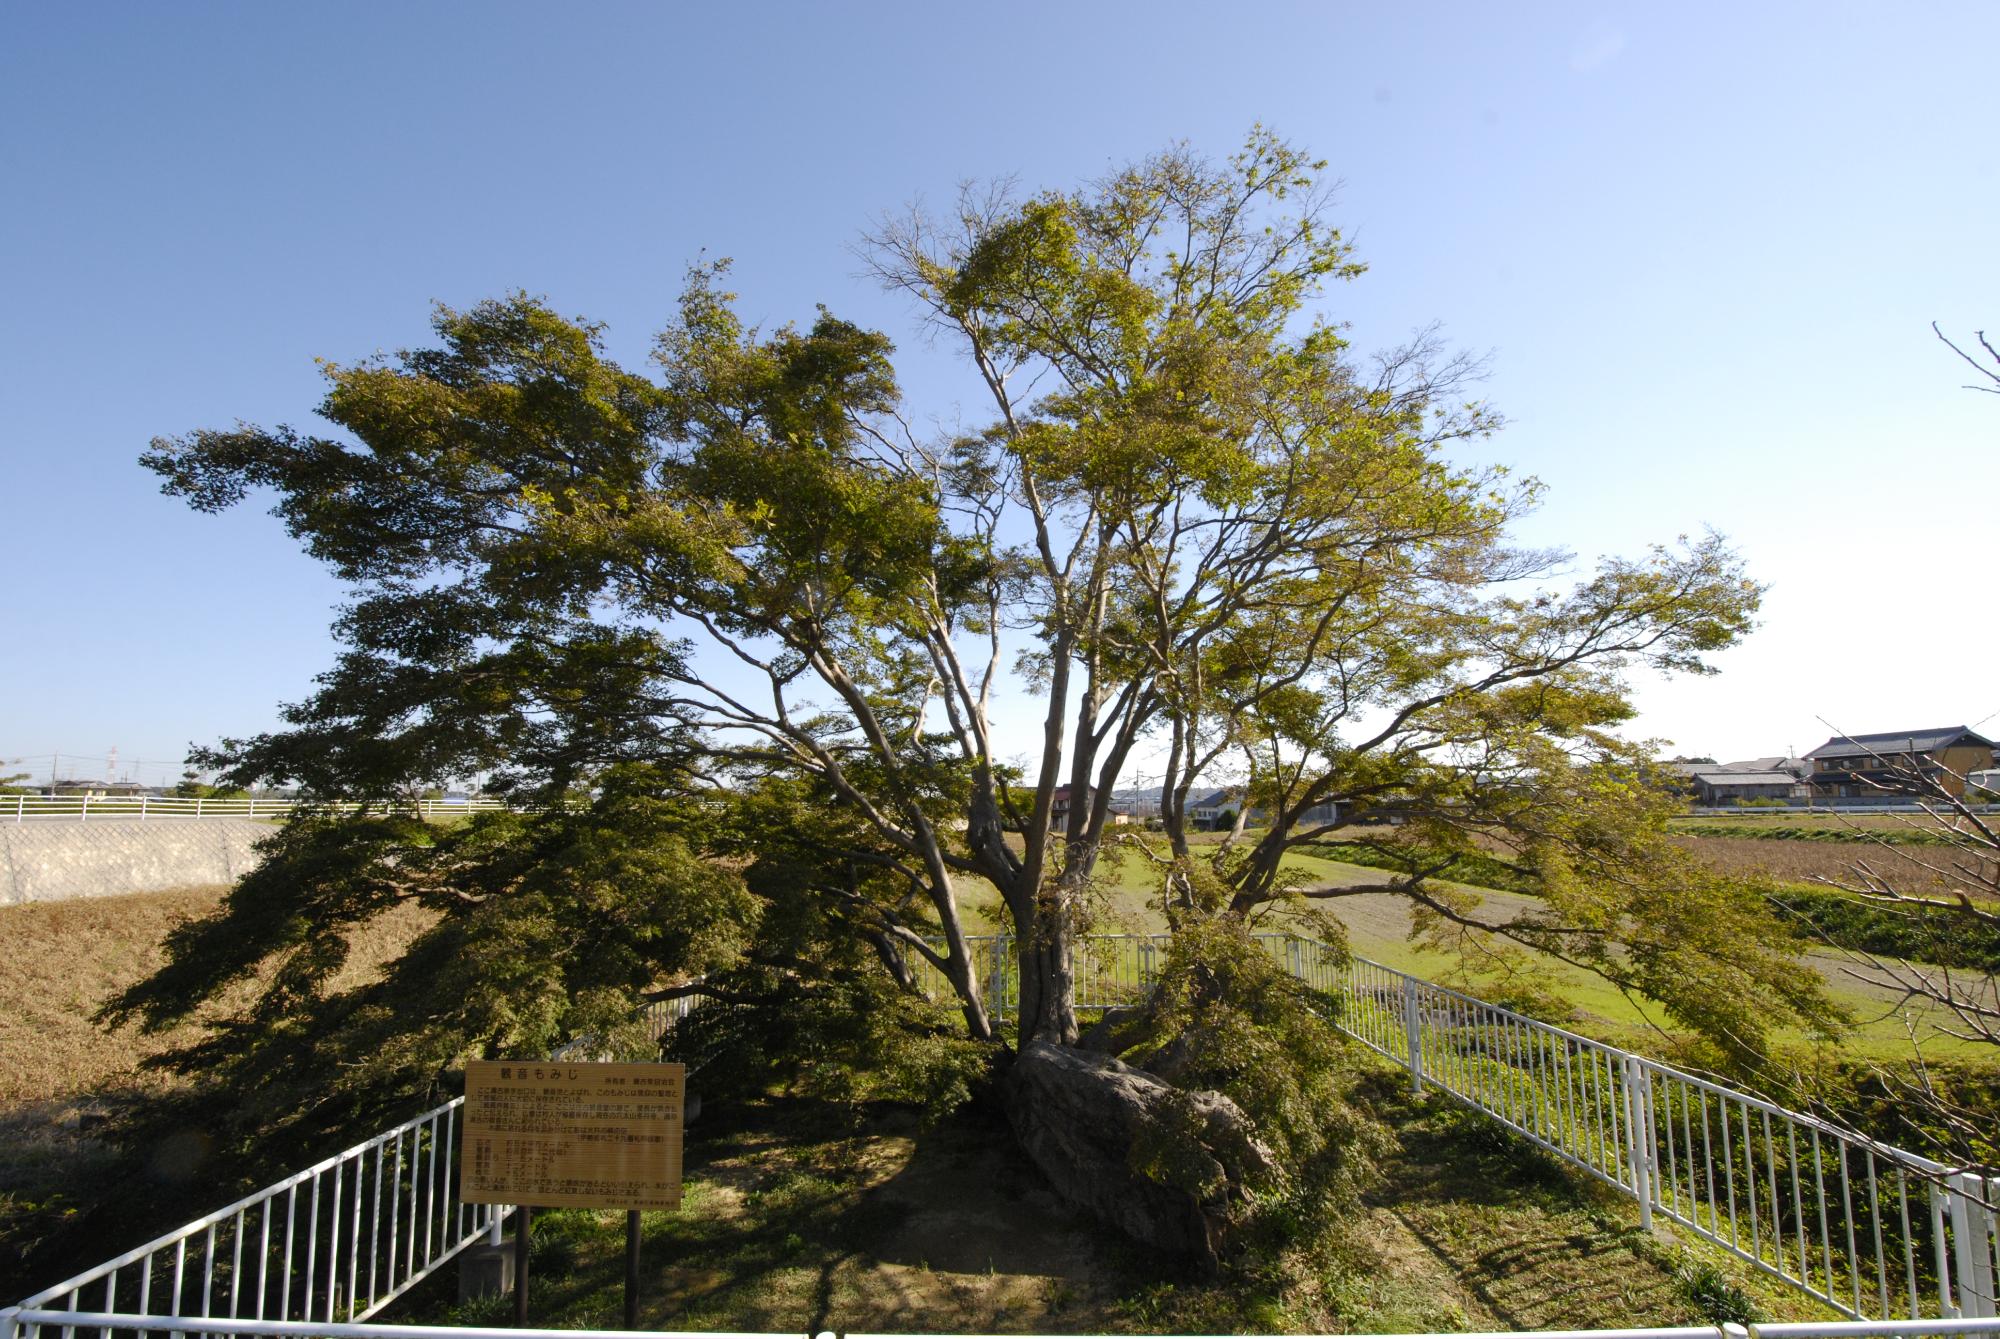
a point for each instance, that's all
(1048, 983)
(965, 984)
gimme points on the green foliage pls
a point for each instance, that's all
(813, 1006)
(1828, 915)
(839, 1033)
(1931, 935)
(188, 788)
(1712, 1294)
(1227, 1017)
(1615, 895)
(1942, 1106)
(539, 928)
(1471, 867)
(829, 1026)
(1209, 522)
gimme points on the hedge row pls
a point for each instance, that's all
(1784, 832)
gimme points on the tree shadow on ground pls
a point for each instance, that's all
(1533, 1244)
(800, 1221)
(805, 1218)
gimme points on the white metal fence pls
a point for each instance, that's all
(29, 1324)
(333, 1243)
(336, 1242)
(1873, 1231)
(23, 808)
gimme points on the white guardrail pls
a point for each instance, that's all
(179, 1327)
(336, 1242)
(1872, 1231)
(339, 1240)
(26, 808)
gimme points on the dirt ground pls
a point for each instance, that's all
(1926, 871)
(59, 1069)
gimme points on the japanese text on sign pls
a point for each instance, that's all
(587, 1136)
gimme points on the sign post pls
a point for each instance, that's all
(584, 1135)
(631, 1269)
(521, 1229)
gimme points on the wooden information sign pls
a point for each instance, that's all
(579, 1136)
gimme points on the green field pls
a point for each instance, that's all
(1378, 927)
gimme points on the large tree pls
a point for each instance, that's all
(1210, 537)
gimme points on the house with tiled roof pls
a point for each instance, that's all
(1723, 783)
(1880, 765)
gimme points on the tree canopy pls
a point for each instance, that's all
(737, 625)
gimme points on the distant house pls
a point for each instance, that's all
(1772, 778)
(1136, 802)
(1798, 767)
(1683, 776)
(98, 790)
(1205, 812)
(1877, 765)
(1060, 803)
(1325, 814)
(1722, 783)
(1206, 809)
(1720, 788)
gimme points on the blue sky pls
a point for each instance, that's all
(1703, 244)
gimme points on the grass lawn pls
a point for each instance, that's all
(798, 1220)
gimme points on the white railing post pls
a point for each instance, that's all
(1972, 1247)
(1413, 1033)
(1639, 1136)
(996, 984)
(142, 807)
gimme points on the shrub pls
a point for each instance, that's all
(1848, 922)
(1227, 1017)
(1711, 1293)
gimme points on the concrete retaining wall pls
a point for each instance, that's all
(55, 860)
